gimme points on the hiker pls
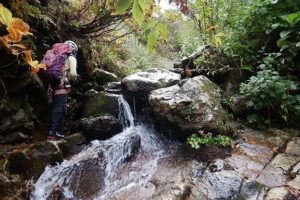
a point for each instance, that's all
(61, 67)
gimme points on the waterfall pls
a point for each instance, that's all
(106, 163)
(125, 114)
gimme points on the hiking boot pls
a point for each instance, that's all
(54, 135)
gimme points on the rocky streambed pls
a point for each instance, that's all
(134, 160)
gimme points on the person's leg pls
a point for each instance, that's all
(58, 113)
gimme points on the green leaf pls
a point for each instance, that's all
(137, 12)
(152, 42)
(298, 44)
(274, 26)
(145, 4)
(5, 15)
(292, 19)
(122, 6)
(162, 31)
(284, 34)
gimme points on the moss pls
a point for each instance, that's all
(101, 104)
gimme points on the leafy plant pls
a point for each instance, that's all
(197, 141)
(268, 90)
(16, 29)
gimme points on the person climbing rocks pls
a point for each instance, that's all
(61, 65)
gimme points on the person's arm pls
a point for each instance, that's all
(72, 65)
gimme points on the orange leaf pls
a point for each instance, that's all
(28, 57)
(17, 28)
(5, 41)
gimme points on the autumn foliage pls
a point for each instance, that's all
(17, 29)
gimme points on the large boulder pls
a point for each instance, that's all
(101, 104)
(102, 77)
(191, 105)
(136, 87)
(152, 79)
(101, 127)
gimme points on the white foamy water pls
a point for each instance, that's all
(111, 156)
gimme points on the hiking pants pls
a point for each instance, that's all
(59, 111)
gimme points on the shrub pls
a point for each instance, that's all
(197, 141)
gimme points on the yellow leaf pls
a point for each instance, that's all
(5, 15)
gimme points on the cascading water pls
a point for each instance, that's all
(100, 171)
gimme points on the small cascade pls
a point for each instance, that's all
(128, 159)
(125, 114)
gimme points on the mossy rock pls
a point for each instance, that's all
(101, 104)
(102, 77)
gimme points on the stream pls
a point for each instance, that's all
(104, 169)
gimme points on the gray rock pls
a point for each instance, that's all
(32, 162)
(275, 173)
(14, 137)
(279, 193)
(101, 127)
(102, 77)
(293, 147)
(191, 105)
(113, 87)
(216, 165)
(220, 185)
(237, 104)
(251, 190)
(19, 120)
(75, 139)
(296, 170)
(101, 104)
(144, 82)
(178, 64)
(91, 93)
(295, 183)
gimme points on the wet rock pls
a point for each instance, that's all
(102, 76)
(216, 166)
(9, 187)
(31, 162)
(219, 185)
(101, 104)
(178, 64)
(251, 190)
(144, 82)
(90, 93)
(85, 173)
(101, 127)
(75, 139)
(19, 120)
(293, 147)
(113, 87)
(237, 104)
(262, 154)
(275, 173)
(5, 148)
(296, 170)
(295, 183)
(279, 193)
(14, 137)
(245, 166)
(191, 105)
